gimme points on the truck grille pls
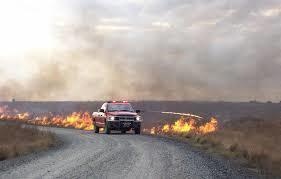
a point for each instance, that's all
(126, 118)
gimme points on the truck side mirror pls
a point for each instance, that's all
(138, 111)
(101, 110)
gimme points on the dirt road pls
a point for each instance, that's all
(88, 155)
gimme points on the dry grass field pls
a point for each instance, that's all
(252, 140)
(16, 140)
(256, 142)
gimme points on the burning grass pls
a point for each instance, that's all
(252, 141)
(77, 120)
(185, 125)
(16, 140)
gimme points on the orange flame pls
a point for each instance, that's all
(209, 127)
(181, 126)
(153, 130)
(77, 120)
(185, 125)
(166, 128)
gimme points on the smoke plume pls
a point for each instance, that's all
(160, 50)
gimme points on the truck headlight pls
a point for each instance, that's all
(138, 118)
(111, 118)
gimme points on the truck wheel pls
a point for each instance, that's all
(97, 129)
(107, 129)
(137, 131)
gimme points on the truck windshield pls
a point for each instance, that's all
(119, 107)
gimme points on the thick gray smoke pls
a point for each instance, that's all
(160, 50)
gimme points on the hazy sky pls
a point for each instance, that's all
(136, 49)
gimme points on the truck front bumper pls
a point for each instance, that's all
(124, 125)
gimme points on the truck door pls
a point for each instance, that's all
(101, 116)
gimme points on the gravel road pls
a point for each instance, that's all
(87, 155)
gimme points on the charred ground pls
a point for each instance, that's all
(223, 111)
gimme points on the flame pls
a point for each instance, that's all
(153, 130)
(23, 116)
(209, 127)
(77, 120)
(182, 126)
(185, 125)
(166, 128)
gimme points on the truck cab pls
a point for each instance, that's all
(117, 115)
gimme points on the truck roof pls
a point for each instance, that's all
(117, 102)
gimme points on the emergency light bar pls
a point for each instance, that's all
(117, 102)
